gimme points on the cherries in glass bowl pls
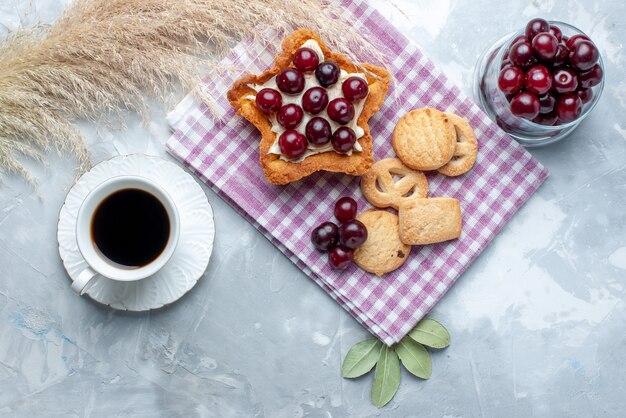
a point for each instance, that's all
(541, 72)
(340, 241)
(510, 79)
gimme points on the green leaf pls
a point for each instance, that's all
(361, 358)
(415, 358)
(430, 333)
(386, 377)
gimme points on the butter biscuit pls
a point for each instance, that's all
(424, 139)
(383, 251)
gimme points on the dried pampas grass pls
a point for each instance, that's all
(102, 56)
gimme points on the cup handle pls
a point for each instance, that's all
(81, 283)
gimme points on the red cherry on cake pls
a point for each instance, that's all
(305, 59)
(345, 209)
(343, 139)
(547, 119)
(521, 54)
(340, 257)
(352, 234)
(591, 77)
(538, 79)
(585, 94)
(327, 73)
(340, 110)
(315, 100)
(290, 81)
(318, 131)
(511, 79)
(569, 43)
(268, 100)
(325, 236)
(536, 26)
(564, 80)
(583, 55)
(525, 105)
(556, 32)
(292, 144)
(290, 116)
(568, 107)
(545, 46)
(354, 88)
(546, 103)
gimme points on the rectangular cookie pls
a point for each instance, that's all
(429, 220)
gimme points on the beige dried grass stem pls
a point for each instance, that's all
(102, 56)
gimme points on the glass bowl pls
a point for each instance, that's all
(495, 104)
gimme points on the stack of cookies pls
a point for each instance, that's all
(424, 140)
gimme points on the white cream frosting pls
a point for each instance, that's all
(334, 92)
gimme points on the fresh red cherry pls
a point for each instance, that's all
(525, 105)
(521, 54)
(519, 38)
(327, 73)
(305, 59)
(556, 32)
(340, 110)
(292, 143)
(546, 103)
(538, 79)
(560, 57)
(352, 234)
(564, 80)
(290, 81)
(583, 55)
(568, 107)
(535, 26)
(591, 77)
(511, 80)
(289, 116)
(343, 139)
(340, 257)
(325, 236)
(545, 46)
(269, 100)
(354, 88)
(585, 94)
(548, 119)
(318, 131)
(345, 209)
(569, 43)
(315, 100)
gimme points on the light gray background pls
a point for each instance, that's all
(538, 322)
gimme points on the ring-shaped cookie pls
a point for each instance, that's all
(465, 150)
(380, 189)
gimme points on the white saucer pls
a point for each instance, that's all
(195, 243)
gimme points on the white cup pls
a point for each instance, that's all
(99, 265)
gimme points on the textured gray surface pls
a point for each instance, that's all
(537, 322)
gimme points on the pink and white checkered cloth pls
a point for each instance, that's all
(224, 154)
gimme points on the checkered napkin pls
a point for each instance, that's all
(224, 154)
